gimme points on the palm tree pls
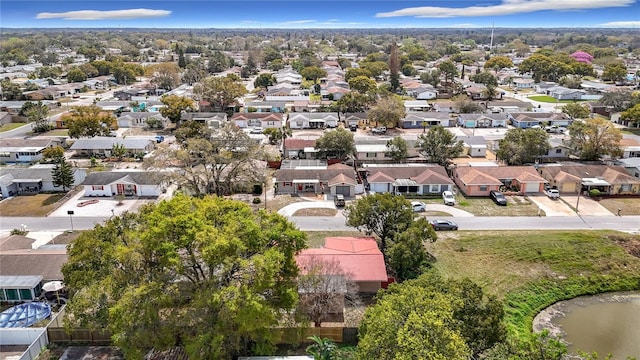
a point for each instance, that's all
(321, 349)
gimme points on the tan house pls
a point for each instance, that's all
(611, 180)
(422, 179)
(319, 179)
(480, 180)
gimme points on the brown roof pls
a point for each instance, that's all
(15, 142)
(611, 174)
(15, 242)
(323, 175)
(256, 115)
(292, 143)
(492, 175)
(44, 262)
(428, 174)
(342, 179)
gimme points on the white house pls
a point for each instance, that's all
(33, 180)
(418, 119)
(316, 120)
(104, 145)
(139, 119)
(127, 183)
(524, 83)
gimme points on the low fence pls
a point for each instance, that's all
(95, 337)
(33, 351)
(35, 338)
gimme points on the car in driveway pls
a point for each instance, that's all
(256, 130)
(448, 198)
(441, 224)
(418, 206)
(498, 197)
(380, 130)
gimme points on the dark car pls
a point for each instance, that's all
(498, 197)
(353, 127)
(441, 224)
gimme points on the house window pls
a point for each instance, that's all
(484, 187)
(434, 188)
(299, 123)
(5, 154)
(625, 187)
(287, 184)
(371, 155)
(271, 123)
(558, 151)
(97, 187)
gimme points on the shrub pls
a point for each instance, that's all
(594, 192)
(19, 232)
(256, 200)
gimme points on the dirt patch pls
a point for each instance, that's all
(630, 244)
(66, 237)
(627, 206)
(38, 205)
(316, 212)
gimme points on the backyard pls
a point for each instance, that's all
(38, 205)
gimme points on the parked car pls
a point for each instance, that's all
(338, 200)
(498, 197)
(256, 130)
(448, 198)
(418, 206)
(353, 127)
(555, 129)
(552, 193)
(159, 139)
(441, 224)
(380, 130)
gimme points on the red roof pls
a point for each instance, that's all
(358, 257)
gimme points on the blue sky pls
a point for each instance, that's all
(319, 14)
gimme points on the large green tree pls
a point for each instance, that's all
(431, 318)
(449, 70)
(264, 80)
(209, 274)
(90, 121)
(592, 139)
(336, 143)
(313, 73)
(174, 106)
(38, 116)
(439, 145)
(614, 71)
(521, 146)
(220, 91)
(632, 115)
(498, 63)
(388, 111)
(62, 174)
(397, 149)
(576, 110)
(362, 84)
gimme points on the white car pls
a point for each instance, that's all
(256, 130)
(418, 206)
(448, 198)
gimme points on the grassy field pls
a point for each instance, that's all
(316, 212)
(11, 126)
(33, 205)
(531, 270)
(516, 206)
(549, 99)
(630, 206)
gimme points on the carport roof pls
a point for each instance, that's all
(405, 182)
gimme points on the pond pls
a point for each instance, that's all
(606, 324)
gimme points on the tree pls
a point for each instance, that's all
(90, 121)
(218, 62)
(76, 75)
(431, 318)
(362, 84)
(576, 110)
(439, 145)
(313, 73)
(397, 149)
(407, 256)
(394, 67)
(337, 143)
(321, 348)
(537, 64)
(537, 346)
(449, 70)
(431, 77)
(485, 78)
(355, 72)
(614, 71)
(183, 272)
(62, 174)
(353, 102)
(54, 154)
(388, 111)
(375, 68)
(521, 146)
(37, 115)
(193, 74)
(325, 289)
(213, 163)
(632, 115)
(174, 106)
(10, 91)
(119, 151)
(464, 105)
(264, 81)
(618, 100)
(164, 75)
(220, 91)
(498, 63)
(592, 139)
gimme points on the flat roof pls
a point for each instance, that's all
(19, 281)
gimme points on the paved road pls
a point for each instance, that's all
(322, 223)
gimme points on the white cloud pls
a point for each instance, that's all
(104, 15)
(297, 22)
(621, 24)
(507, 7)
(466, 25)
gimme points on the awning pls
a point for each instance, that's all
(26, 180)
(309, 181)
(310, 149)
(405, 182)
(594, 182)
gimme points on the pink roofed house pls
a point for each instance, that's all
(359, 258)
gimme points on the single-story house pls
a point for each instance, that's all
(563, 93)
(444, 106)
(422, 179)
(418, 119)
(96, 84)
(103, 145)
(332, 179)
(611, 180)
(526, 120)
(293, 148)
(416, 105)
(558, 150)
(632, 165)
(139, 119)
(542, 87)
(315, 120)
(523, 83)
(358, 258)
(264, 120)
(17, 150)
(33, 180)
(19, 258)
(474, 146)
(126, 95)
(213, 120)
(358, 119)
(127, 183)
(480, 180)
(372, 152)
(482, 120)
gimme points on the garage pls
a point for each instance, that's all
(532, 187)
(343, 190)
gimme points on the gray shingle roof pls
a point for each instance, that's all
(106, 143)
(137, 177)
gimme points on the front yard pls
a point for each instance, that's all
(11, 126)
(30, 205)
(629, 206)
(516, 206)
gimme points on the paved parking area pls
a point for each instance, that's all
(552, 207)
(587, 206)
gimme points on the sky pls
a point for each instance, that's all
(309, 14)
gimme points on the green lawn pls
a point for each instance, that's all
(480, 206)
(11, 126)
(530, 270)
(549, 99)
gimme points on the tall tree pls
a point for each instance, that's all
(439, 145)
(164, 75)
(394, 67)
(521, 146)
(90, 121)
(576, 110)
(62, 174)
(336, 143)
(592, 139)
(264, 80)
(76, 75)
(397, 149)
(388, 111)
(183, 272)
(313, 73)
(362, 84)
(614, 71)
(449, 70)
(174, 106)
(38, 116)
(431, 77)
(220, 91)
(632, 115)
(498, 63)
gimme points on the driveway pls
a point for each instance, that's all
(552, 207)
(291, 209)
(449, 210)
(587, 206)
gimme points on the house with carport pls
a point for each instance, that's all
(480, 180)
(126, 183)
(297, 148)
(29, 150)
(482, 120)
(608, 179)
(525, 120)
(313, 120)
(406, 179)
(264, 120)
(315, 176)
(34, 180)
(424, 119)
(102, 146)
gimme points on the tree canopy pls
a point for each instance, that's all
(220, 91)
(576, 110)
(397, 149)
(388, 111)
(209, 274)
(521, 146)
(632, 115)
(90, 121)
(338, 143)
(439, 145)
(175, 105)
(592, 139)
(498, 63)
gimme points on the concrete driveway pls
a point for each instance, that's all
(552, 207)
(291, 209)
(587, 206)
(449, 210)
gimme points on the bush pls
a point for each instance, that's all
(19, 232)
(256, 200)
(594, 192)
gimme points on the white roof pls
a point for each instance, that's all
(371, 147)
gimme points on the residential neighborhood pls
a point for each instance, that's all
(303, 191)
